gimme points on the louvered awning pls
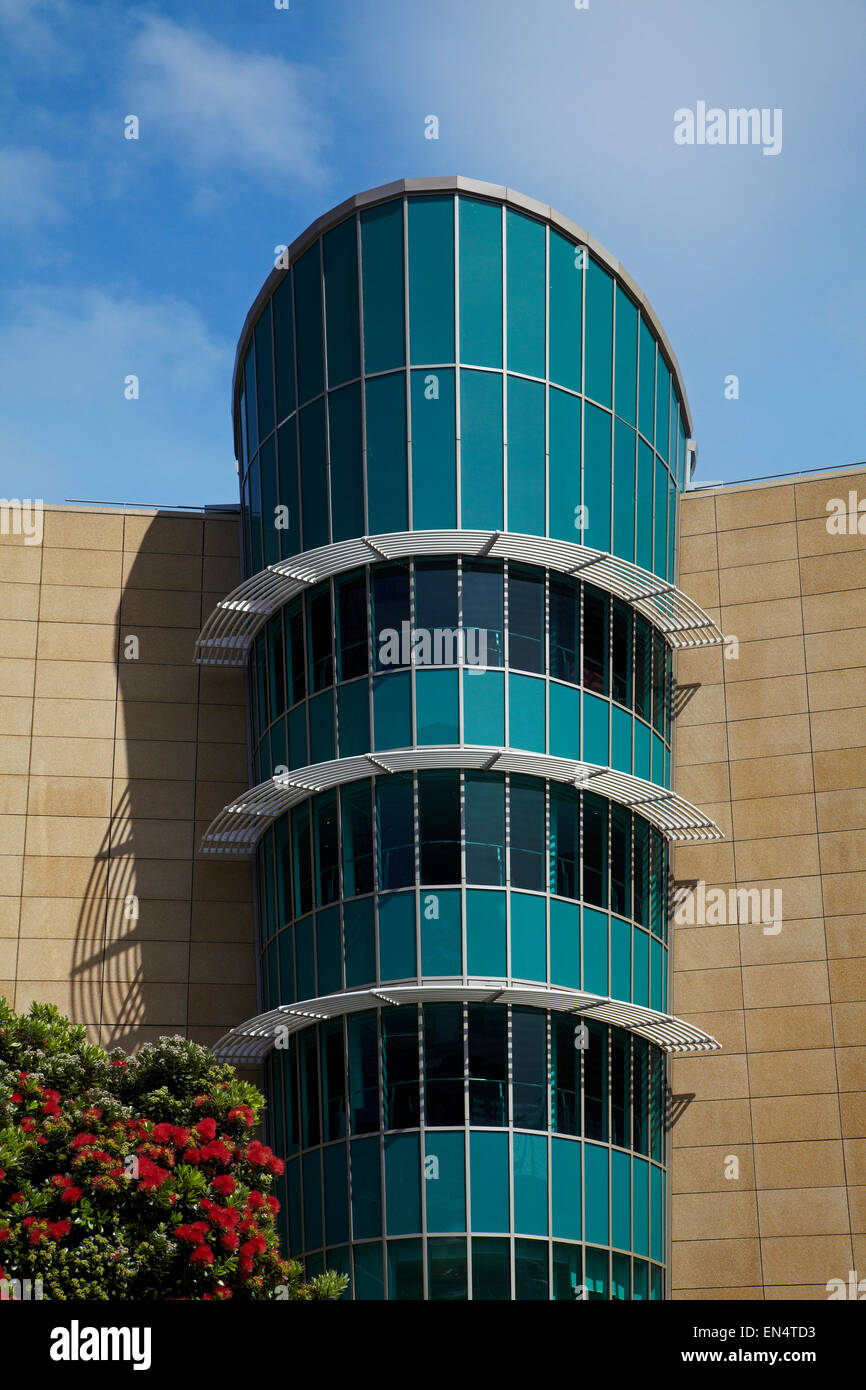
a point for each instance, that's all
(251, 1042)
(229, 632)
(241, 824)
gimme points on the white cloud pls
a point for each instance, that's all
(62, 406)
(252, 111)
(30, 182)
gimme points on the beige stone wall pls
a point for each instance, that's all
(109, 771)
(773, 745)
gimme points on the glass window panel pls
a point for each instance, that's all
(599, 332)
(436, 605)
(242, 412)
(481, 450)
(287, 488)
(268, 471)
(363, 1053)
(620, 860)
(439, 825)
(596, 618)
(564, 618)
(302, 858)
(485, 828)
(265, 372)
(620, 1277)
(445, 1181)
(347, 470)
(567, 1187)
(530, 1185)
(402, 1183)
(488, 1065)
(305, 959)
(382, 273)
(276, 666)
(284, 347)
(405, 1275)
(431, 279)
(491, 1269)
(596, 477)
(564, 846)
(528, 937)
(530, 1269)
(436, 707)
(366, 1191)
(525, 619)
(621, 652)
(567, 1271)
(434, 451)
(292, 1096)
(360, 940)
(480, 282)
(660, 558)
(640, 1096)
(446, 1271)
(620, 1095)
(660, 684)
(357, 827)
(329, 954)
(387, 484)
(595, 1082)
(595, 849)
(565, 1074)
(642, 666)
(526, 713)
(309, 1071)
(486, 945)
(624, 503)
(395, 829)
(400, 1076)
(646, 381)
(625, 385)
(663, 392)
(443, 1064)
(488, 1161)
(352, 627)
(390, 594)
(392, 710)
(527, 833)
(252, 417)
(319, 632)
(597, 1283)
(672, 529)
(525, 254)
(564, 311)
(640, 1271)
(308, 319)
(644, 555)
(333, 1080)
(441, 933)
(340, 256)
(314, 475)
(529, 1068)
(564, 466)
(657, 1105)
(312, 1173)
(255, 516)
(482, 603)
(397, 959)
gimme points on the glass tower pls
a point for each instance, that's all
(461, 436)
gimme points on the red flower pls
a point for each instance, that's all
(217, 1150)
(243, 1112)
(202, 1255)
(163, 1133)
(83, 1141)
(28, 1123)
(58, 1229)
(17, 1197)
(224, 1185)
(206, 1128)
(117, 1062)
(276, 1166)
(4, 1235)
(16, 1097)
(35, 1235)
(256, 1200)
(229, 1241)
(192, 1156)
(70, 1195)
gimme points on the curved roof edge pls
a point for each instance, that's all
(252, 1040)
(239, 826)
(478, 188)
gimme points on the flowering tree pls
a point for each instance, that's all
(135, 1177)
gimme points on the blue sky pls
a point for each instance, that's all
(143, 256)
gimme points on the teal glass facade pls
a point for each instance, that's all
(440, 361)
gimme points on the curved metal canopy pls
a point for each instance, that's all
(231, 629)
(250, 1042)
(241, 824)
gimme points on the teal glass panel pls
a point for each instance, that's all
(287, 968)
(596, 1178)
(483, 707)
(491, 1269)
(524, 269)
(642, 736)
(255, 517)
(342, 326)
(526, 728)
(387, 483)
(347, 472)
(293, 1193)
(599, 333)
(564, 311)
(596, 738)
(480, 283)
(312, 1175)
(625, 383)
(353, 716)
(265, 372)
(565, 1179)
(620, 958)
(431, 279)
(624, 504)
(564, 944)
(620, 739)
(488, 1168)
(640, 1281)
(397, 936)
(681, 453)
(445, 1180)
(287, 488)
(596, 926)
(656, 1283)
(596, 478)
(336, 1194)
(284, 347)
(620, 1199)
(314, 1264)
(658, 760)
(314, 475)
(485, 933)
(644, 554)
(328, 953)
(663, 395)
(564, 720)
(405, 1272)
(402, 1183)
(526, 454)
(251, 414)
(297, 722)
(441, 937)
(382, 276)
(322, 727)
(620, 1278)
(275, 986)
(392, 711)
(366, 1189)
(567, 1272)
(530, 1184)
(305, 961)
(446, 1270)
(660, 501)
(530, 1270)
(640, 948)
(657, 1214)
(434, 459)
(672, 530)
(657, 964)
(528, 937)
(360, 941)
(646, 390)
(308, 324)
(564, 467)
(484, 828)
(480, 450)
(436, 707)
